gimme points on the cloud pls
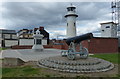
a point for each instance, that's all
(31, 14)
(91, 27)
(19, 15)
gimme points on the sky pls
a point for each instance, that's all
(50, 15)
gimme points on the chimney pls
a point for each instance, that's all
(41, 28)
(35, 29)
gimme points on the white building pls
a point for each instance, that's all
(8, 38)
(71, 21)
(26, 36)
(108, 29)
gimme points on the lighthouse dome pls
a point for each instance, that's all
(71, 5)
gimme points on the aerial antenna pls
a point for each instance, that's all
(71, 4)
(115, 5)
(118, 12)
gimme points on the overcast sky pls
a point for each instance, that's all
(28, 15)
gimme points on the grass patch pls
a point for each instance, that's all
(26, 71)
(29, 71)
(81, 77)
(3, 48)
(109, 57)
(19, 71)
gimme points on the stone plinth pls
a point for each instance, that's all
(9, 61)
(38, 41)
(76, 66)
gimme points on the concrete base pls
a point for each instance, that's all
(38, 47)
(9, 61)
(29, 54)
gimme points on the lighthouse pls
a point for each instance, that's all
(71, 21)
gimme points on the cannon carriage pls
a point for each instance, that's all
(73, 43)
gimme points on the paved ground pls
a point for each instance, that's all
(29, 54)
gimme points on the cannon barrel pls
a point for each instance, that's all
(80, 38)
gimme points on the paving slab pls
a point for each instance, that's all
(30, 54)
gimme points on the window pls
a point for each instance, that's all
(14, 36)
(68, 9)
(34, 41)
(71, 9)
(107, 26)
(74, 24)
(7, 36)
(103, 30)
(67, 24)
(38, 41)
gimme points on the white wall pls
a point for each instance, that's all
(0, 42)
(7, 36)
(44, 41)
(26, 41)
(30, 42)
(108, 32)
(0, 35)
(9, 43)
(71, 28)
(14, 36)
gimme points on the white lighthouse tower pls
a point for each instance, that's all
(71, 21)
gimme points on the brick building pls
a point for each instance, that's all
(94, 45)
(101, 45)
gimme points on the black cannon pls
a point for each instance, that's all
(73, 42)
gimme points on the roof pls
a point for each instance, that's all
(25, 31)
(42, 31)
(71, 15)
(108, 23)
(4, 31)
(22, 30)
(105, 37)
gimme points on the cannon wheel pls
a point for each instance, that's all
(84, 53)
(64, 53)
(71, 54)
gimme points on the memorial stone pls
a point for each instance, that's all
(38, 41)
